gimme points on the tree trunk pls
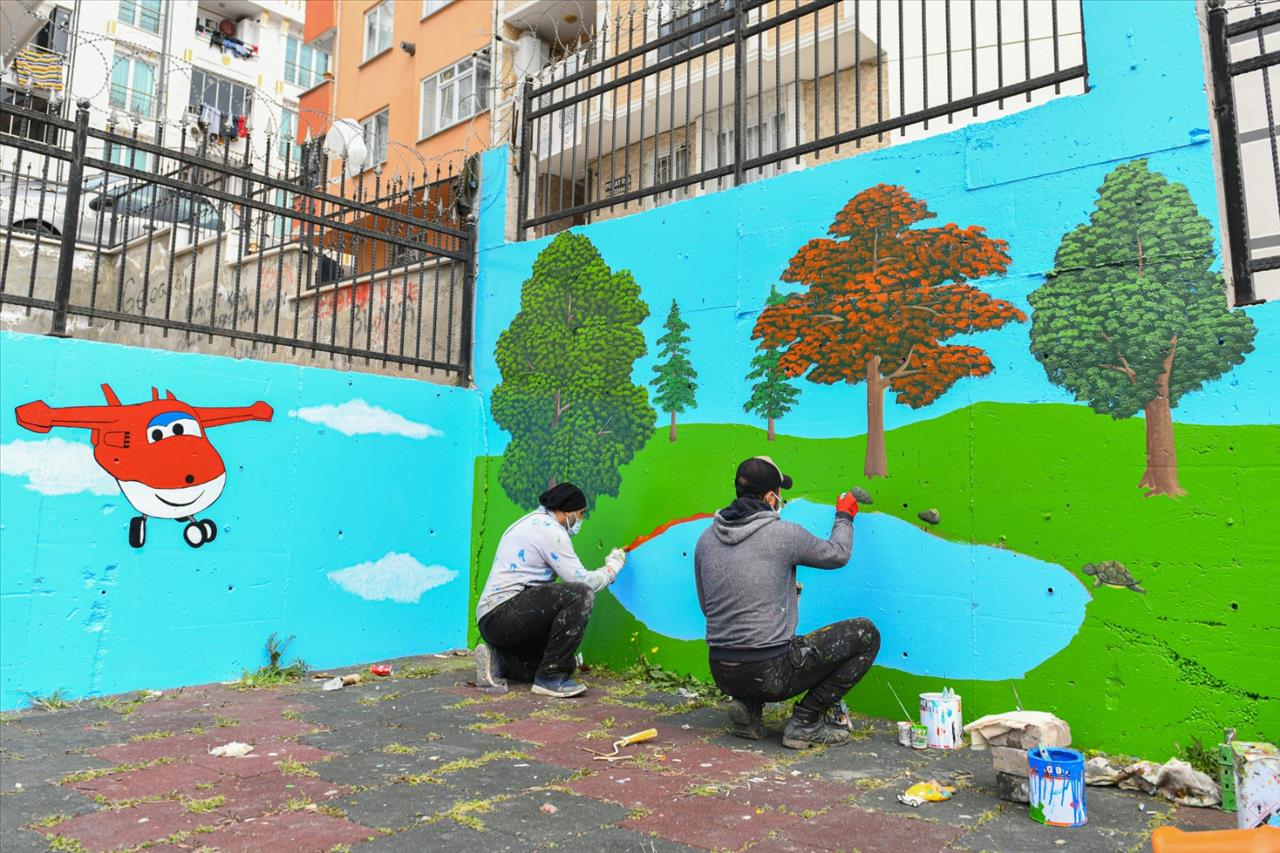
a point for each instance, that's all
(876, 464)
(1161, 476)
(672, 435)
(772, 434)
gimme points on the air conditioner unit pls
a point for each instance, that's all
(249, 31)
(532, 55)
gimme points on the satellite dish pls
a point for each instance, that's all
(345, 140)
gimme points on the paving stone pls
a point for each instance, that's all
(1128, 811)
(268, 792)
(46, 769)
(1013, 830)
(264, 758)
(616, 840)
(789, 793)
(870, 832)
(180, 777)
(713, 823)
(522, 817)
(169, 747)
(505, 776)
(546, 731)
(855, 764)
(397, 805)
(962, 802)
(17, 809)
(444, 835)
(567, 755)
(108, 830)
(300, 831)
(708, 761)
(1186, 817)
(631, 787)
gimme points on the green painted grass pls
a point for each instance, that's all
(1056, 482)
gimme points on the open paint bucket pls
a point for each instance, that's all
(904, 733)
(940, 714)
(1056, 786)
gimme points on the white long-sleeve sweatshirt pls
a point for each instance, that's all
(533, 550)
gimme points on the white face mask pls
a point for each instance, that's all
(574, 526)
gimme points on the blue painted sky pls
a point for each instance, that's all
(1027, 178)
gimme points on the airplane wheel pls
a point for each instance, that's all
(210, 530)
(194, 534)
(138, 531)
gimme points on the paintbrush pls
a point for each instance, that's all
(1016, 698)
(900, 705)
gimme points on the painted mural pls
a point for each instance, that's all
(1051, 320)
(157, 452)
(330, 527)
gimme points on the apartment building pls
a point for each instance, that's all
(641, 94)
(221, 76)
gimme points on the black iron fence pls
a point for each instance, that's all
(1242, 63)
(669, 99)
(190, 246)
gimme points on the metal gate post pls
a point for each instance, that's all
(70, 221)
(523, 156)
(1237, 226)
(740, 91)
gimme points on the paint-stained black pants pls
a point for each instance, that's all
(537, 633)
(826, 662)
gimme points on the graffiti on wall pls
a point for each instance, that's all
(158, 453)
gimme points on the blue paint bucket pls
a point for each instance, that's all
(1056, 786)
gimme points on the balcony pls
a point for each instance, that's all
(321, 18)
(313, 111)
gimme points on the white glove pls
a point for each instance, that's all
(615, 561)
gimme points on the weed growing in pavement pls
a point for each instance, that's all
(416, 671)
(151, 736)
(202, 806)
(55, 701)
(224, 722)
(291, 714)
(97, 773)
(1199, 757)
(381, 697)
(464, 813)
(274, 674)
(480, 761)
(49, 820)
(297, 804)
(292, 767)
(66, 844)
(331, 811)
(399, 749)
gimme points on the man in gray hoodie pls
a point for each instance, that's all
(745, 566)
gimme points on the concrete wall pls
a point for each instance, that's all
(332, 525)
(1035, 475)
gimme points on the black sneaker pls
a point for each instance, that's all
(818, 733)
(559, 688)
(746, 718)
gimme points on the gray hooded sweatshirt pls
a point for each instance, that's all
(745, 566)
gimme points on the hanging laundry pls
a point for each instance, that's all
(212, 120)
(242, 126)
(39, 68)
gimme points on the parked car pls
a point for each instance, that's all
(112, 208)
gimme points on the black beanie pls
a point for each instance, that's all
(565, 497)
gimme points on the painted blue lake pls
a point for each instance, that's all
(943, 608)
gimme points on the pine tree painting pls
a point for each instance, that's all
(674, 378)
(566, 395)
(1132, 317)
(772, 396)
(881, 299)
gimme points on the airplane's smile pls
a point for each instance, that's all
(188, 503)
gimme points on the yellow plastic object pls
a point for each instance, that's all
(925, 792)
(1264, 839)
(638, 737)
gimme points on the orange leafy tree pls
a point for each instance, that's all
(881, 298)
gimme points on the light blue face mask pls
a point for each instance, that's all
(575, 527)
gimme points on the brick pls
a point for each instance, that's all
(1007, 759)
(871, 832)
(300, 830)
(180, 777)
(108, 830)
(1012, 787)
(714, 823)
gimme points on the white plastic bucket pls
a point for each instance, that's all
(940, 713)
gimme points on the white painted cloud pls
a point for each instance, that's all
(53, 466)
(395, 577)
(356, 417)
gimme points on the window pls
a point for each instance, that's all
(303, 65)
(21, 125)
(226, 96)
(430, 6)
(282, 226)
(683, 14)
(761, 139)
(454, 94)
(376, 136)
(55, 36)
(671, 166)
(129, 157)
(143, 14)
(133, 84)
(378, 28)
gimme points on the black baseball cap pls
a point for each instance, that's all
(760, 475)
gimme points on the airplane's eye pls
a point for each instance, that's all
(156, 434)
(185, 426)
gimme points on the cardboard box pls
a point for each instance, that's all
(1257, 783)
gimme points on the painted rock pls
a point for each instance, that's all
(929, 515)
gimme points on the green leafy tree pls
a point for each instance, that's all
(566, 395)
(1132, 318)
(674, 376)
(772, 396)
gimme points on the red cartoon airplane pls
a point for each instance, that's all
(158, 453)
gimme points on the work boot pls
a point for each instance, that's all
(488, 669)
(746, 718)
(798, 735)
(561, 688)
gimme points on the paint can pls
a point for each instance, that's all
(919, 736)
(904, 733)
(940, 714)
(1056, 786)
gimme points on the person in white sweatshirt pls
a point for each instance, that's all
(530, 624)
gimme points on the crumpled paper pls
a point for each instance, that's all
(1019, 729)
(234, 749)
(1175, 780)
